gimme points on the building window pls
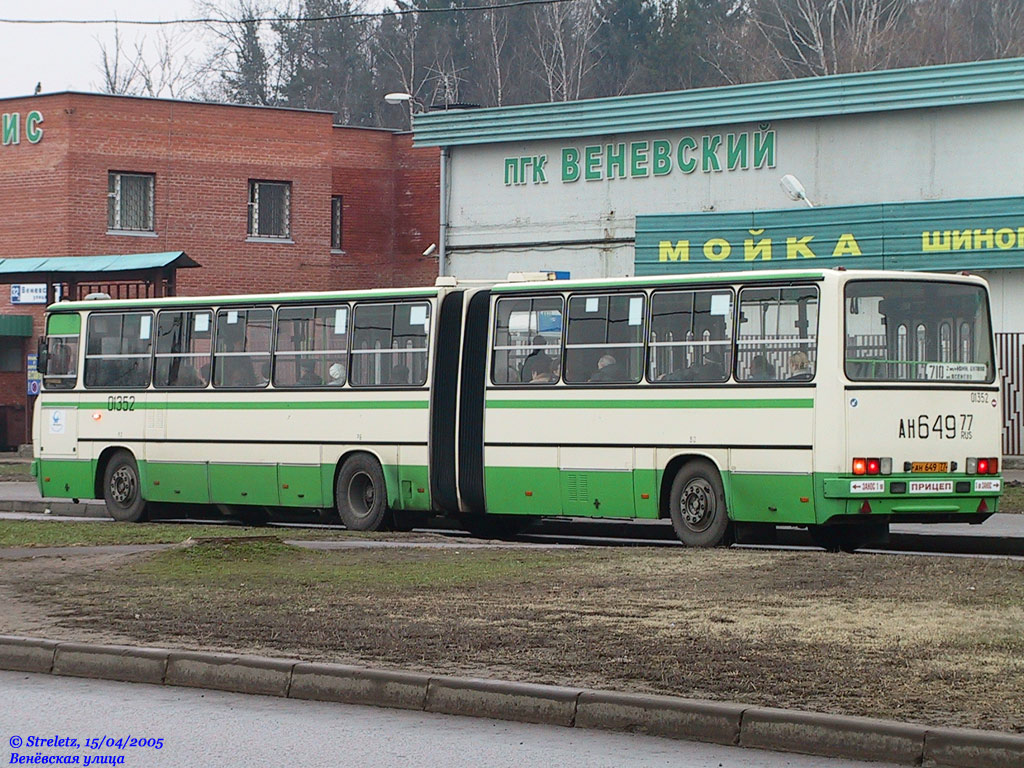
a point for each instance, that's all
(270, 209)
(130, 201)
(336, 219)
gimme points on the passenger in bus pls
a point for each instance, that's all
(308, 377)
(608, 370)
(399, 375)
(236, 370)
(761, 369)
(799, 367)
(542, 371)
(535, 358)
(336, 375)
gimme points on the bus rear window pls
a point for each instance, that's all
(904, 330)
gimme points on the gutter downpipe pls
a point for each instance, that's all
(442, 248)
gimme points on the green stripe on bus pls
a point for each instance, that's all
(648, 404)
(259, 406)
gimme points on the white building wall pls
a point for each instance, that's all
(929, 154)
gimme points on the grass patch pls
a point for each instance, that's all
(1012, 501)
(932, 640)
(32, 533)
(16, 472)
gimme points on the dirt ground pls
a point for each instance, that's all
(924, 639)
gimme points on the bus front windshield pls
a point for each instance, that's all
(916, 331)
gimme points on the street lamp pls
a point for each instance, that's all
(791, 186)
(415, 105)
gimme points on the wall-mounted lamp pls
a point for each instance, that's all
(791, 186)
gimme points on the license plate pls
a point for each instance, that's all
(929, 466)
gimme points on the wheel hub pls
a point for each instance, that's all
(123, 486)
(697, 504)
(361, 493)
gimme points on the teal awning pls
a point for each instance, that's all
(16, 325)
(18, 269)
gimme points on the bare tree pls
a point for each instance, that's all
(562, 39)
(825, 37)
(121, 69)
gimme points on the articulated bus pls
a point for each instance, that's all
(837, 400)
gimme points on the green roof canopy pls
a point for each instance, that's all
(15, 325)
(897, 89)
(84, 267)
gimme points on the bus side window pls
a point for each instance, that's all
(242, 350)
(389, 344)
(119, 350)
(778, 337)
(605, 339)
(183, 349)
(311, 348)
(62, 364)
(527, 341)
(691, 336)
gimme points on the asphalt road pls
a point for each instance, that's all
(211, 728)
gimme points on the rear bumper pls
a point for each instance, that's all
(911, 498)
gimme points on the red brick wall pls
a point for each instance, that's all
(54, 194)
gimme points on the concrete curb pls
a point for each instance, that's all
(691, 719)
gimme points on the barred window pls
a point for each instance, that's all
(336, 221)
(130, 201)
(270, 209)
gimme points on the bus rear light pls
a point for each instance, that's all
(865, 508)
(860, 466)
(983, 507)
(886, 465)
(874, 466)
(983, 466)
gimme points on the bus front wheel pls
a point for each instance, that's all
(361, 495)
(697, 506)
(122, 491)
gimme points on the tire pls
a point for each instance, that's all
(360, 494)
(697, 506)
(848, 538)
(495, 526)
(122, 490)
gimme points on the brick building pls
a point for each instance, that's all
(264, 199)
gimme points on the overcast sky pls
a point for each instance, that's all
(67, 57)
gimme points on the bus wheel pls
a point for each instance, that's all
(122, 491)
(361, 494)
(697, 506)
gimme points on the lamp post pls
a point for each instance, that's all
(418, 107)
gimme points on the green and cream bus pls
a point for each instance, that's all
(837, 400)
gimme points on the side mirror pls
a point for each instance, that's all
(42, 355)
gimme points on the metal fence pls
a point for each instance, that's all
(1010, 357)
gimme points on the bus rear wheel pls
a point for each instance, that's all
(122, 491)
(360, 494)
(697, 506)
